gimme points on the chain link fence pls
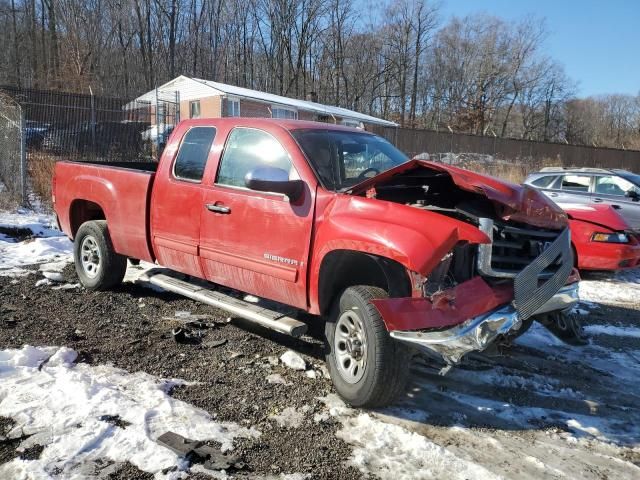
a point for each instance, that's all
(68, 126)
(12, 149)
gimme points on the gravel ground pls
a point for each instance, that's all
(131, 328)
(544, 411)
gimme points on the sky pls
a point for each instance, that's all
(598, 42)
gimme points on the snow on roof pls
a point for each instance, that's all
(198, 87)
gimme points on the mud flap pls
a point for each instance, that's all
(565, 326)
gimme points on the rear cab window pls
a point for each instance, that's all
(193, 153)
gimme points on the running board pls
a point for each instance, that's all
(271, 319)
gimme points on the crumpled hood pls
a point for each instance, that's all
(520, 203)
(603, 215)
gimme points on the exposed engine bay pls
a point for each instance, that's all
(530, 261)
(514, 244)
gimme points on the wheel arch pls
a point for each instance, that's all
(81, 211)
(341, 269)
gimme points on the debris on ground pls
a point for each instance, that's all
(85, 414)
(276, 379)
(293, 360)
(288, 418)
(187, 336)
(199, 452)
(547, 410)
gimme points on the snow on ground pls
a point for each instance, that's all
(546, 411)
(392, 452)
(619, 288)
(612, 330)
(67, 407)
(47, 245)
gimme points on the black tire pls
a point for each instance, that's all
(92, 246)
(566, 326)
(386, 361)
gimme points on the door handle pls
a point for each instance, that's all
(553, 194)
(597, 200)
(218, 208)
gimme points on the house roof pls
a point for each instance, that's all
(193, 88)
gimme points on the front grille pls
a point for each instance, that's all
(512, 248)
(539, 261)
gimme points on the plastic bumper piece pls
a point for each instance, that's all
(477, 333)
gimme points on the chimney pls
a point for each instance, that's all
(312, 97)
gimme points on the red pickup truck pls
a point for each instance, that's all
(394, 255)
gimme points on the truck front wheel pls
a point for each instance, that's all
(98, 265)
(368, 368)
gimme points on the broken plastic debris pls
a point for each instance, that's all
(184, 335)
(199, 452)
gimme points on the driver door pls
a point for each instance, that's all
(256, 242)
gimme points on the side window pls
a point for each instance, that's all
(193, 153)
(613, 186)
(576, 183)
(246, 149)
(544, 182)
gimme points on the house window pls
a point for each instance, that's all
(279, 112)
(194, 109)
(233, 107)
(352, 123)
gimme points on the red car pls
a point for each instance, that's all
(601, 238)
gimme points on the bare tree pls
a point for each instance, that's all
(476, 74)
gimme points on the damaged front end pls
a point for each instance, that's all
(481, 293)
(500, 303)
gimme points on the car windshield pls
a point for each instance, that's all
(633, 178)
(343, 159)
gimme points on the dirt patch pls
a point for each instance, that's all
(127, 471)
(19, 234)
(131, 328)
(31, 453)
(511, 418)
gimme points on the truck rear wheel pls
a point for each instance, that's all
(98, 265)
(368, 368)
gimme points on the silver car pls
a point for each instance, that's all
(618, 188)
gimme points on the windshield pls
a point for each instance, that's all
(342, 158)
(633, 178)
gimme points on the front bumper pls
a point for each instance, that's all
(477, 333)
(607, 256)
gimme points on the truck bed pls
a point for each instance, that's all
(139, 166)
(120, 190)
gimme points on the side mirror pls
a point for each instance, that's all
(633, 195)
(273, 179)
